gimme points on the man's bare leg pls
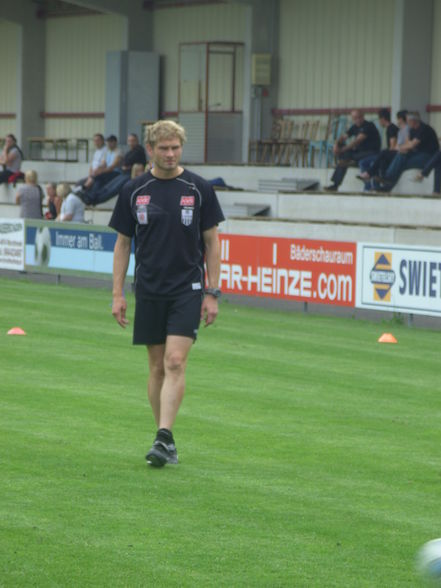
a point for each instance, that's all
(172, 392)
(156, 378)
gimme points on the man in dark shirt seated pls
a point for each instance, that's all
(135, 154)
(414, 154)
(366, 142)
(369, 166)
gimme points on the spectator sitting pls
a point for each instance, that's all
(366, 142)
(11, 158)
(102, 193)
(30, 197)
(97, 164)
(53, 202)
(137, 170)
(103, 176)
(72, 207)
(371, 166)
(415, 153)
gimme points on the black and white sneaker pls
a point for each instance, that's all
(162, 453)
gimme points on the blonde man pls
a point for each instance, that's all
(72, 207)
(30, 197)
(174, 215)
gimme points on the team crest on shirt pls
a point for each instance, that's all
(187, 203)
(142, 202)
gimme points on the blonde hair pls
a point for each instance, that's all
(136, 169)
(164, 130)
(63, 190)
(31, 176)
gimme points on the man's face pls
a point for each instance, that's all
(98, 141)
(166, 154)
(383, 122)
(132, 141)
(357, 118)
(413, 123)
(111, 144)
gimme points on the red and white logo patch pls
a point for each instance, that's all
(187, 200)
(142, 200)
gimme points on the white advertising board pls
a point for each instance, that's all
(399, 278)
(12, 244)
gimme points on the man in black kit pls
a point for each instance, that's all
(173, 215)
(366, 141)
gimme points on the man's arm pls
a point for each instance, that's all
(355, 143)
(121, 258)
(409, 145)
(210, 308)
(116, 163)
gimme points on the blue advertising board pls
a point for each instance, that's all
(74, 248)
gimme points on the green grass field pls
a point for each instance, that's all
(310, 454)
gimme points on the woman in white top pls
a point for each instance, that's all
(72, 207)
(10, 158)
(30, 197)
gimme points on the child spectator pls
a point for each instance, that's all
(30, 197)
(53, 202)
(72, 207)
(11, 158)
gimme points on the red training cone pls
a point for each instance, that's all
(387, 338)
(16, 331)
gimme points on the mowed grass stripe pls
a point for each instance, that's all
(309, 453)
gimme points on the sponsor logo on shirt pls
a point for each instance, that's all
(143, 200)
(187, 200)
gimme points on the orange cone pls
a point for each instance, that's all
(16, 331)
(387, 338)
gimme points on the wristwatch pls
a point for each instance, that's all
(216, 292)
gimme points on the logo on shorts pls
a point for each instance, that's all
(143, 200)
(187, 200)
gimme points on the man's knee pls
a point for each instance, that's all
(156, 369)
(174, 362)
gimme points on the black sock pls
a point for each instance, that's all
(165, 436)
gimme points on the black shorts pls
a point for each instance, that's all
(156, 319)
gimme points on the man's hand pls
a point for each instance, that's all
(209, 310)
(119, 308)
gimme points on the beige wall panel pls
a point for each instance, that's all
(8, 71)
(76, 68)
(335, 54)
(74, 128)
(225, 22)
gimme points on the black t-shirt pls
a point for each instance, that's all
(427, 137)
(391, 133)
(373, 139)
(167, 219)
(135, 155)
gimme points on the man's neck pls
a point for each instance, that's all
(163, 174)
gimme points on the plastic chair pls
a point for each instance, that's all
(336, 127)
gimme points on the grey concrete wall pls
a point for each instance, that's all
(412, 55)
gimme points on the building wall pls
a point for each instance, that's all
(9, 39)
(223, 22)
(335, 53)
(76, 50)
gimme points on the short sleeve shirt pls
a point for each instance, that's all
(427, 137)
(111, 156)
(167, 219)
(373, 139)
(73, 205)
(99, 157)
(391, 133)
